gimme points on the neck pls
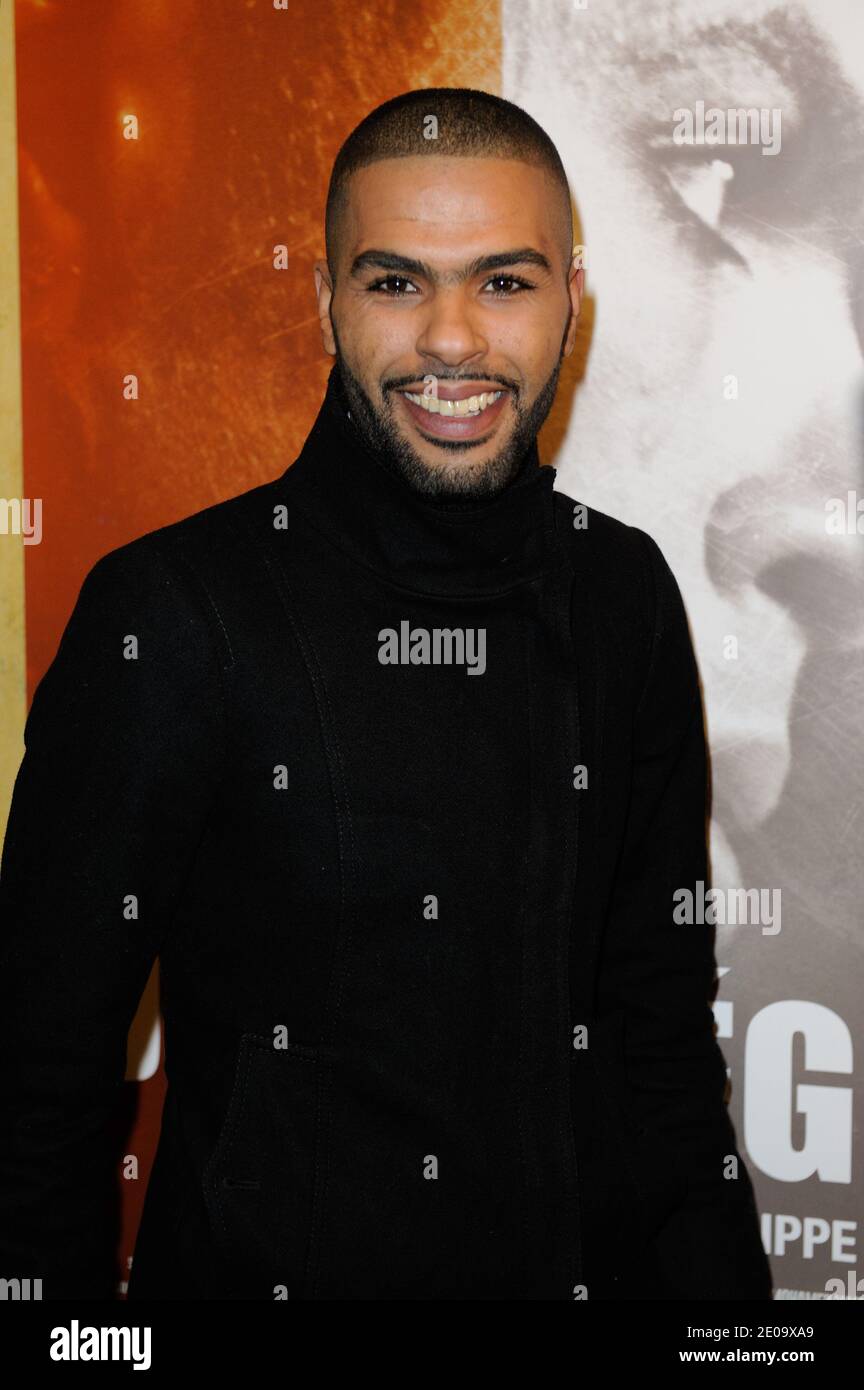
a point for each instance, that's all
(440, 546)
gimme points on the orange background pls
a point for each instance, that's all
(153, 257)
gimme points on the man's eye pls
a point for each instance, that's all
(397, 286)
(391, 280)
(509, 280)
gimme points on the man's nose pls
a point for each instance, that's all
(452, 331)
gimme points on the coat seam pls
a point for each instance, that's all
(347, 855)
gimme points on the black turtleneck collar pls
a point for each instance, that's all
(375, 516)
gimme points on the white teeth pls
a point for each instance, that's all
(471, 405)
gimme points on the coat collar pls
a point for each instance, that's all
(375, 516)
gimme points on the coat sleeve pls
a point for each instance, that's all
(122, 760)
(697, 1208)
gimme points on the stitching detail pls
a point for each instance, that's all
(229, 1128)
(249, 1044)
(347, 854)
(650, 546)
(180, 561)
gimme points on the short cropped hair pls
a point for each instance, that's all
(467, 122)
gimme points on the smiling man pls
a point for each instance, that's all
(450, 291)
(431, 1028)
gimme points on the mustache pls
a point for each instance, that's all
(402, 382)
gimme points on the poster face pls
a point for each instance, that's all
(714, 159)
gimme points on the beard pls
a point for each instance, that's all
(449, 483)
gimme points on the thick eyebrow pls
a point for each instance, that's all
(483, 265)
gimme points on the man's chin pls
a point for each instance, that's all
(445, 470)
(458, 477)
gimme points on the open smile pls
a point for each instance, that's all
(461, 416)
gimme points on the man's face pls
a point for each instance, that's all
(452, 286)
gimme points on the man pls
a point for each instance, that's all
(396, 762)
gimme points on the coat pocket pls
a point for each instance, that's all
(258, 1182)
(627, 1164)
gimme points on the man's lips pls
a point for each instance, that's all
(455, 390)
(446, 426)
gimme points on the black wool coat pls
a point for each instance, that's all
(430, 1029)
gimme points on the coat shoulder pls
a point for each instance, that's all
(625, 591)
(212, 531)
(174, 577)
(623, 565)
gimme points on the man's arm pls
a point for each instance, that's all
(122, 760)
(660, 974)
